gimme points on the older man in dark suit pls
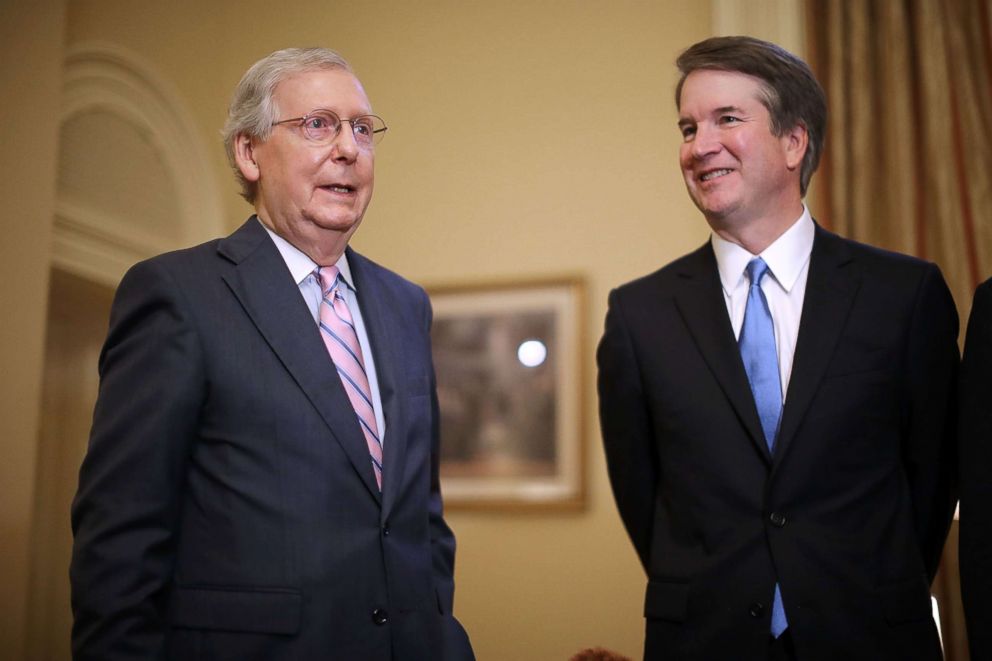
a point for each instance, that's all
(777, 406)
(262, 475)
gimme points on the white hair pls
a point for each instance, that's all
(253, 109)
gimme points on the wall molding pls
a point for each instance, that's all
(108, 78)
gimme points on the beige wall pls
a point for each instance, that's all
(526, 139)
(30, 81)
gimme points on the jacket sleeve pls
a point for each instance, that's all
(125, 513)
(976, 475)
(930, 447)
(442, 539)
(627, 436)
(455, 645)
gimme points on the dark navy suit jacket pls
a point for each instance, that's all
(850, 514)
(227, 507)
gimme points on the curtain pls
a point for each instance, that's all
(908, 159)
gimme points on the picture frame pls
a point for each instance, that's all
(508, 359)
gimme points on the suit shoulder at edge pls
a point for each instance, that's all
(984, 290)
(668, 275)
(388, 277)
(178, 261)
(874, 256)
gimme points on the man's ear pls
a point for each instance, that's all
(244, 156)
(796, 142)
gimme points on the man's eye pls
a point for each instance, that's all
(688, 131)
(729, 119)
(363, 128)
(317, 123)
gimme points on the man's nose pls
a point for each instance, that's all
(345, 146)
(705, 142)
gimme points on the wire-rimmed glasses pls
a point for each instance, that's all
(323, 126)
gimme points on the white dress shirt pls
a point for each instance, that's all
(784, 285)
(302, 269)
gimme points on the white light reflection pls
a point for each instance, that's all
(532, 353)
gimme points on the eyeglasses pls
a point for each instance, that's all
(323, 126)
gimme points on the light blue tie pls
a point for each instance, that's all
(757, 343)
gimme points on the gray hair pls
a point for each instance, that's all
(253, 109)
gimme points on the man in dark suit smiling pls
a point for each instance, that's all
(262, 475)
(777, 406)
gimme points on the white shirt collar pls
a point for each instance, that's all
(785, 257)
(300, 265)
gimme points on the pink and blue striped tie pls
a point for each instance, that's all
(337, 329)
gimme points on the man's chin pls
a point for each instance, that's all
(718, 216)
(710, 210)
(341, 224)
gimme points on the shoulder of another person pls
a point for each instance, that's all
(984, 292)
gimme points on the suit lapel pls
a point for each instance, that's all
(831, 286)
(704, 310)
(384, 338)
(264, 287)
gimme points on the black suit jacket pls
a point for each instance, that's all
(850, 514)
(227, 507)
(976, 475)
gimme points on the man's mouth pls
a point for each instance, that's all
(714, 174)
(339, 188)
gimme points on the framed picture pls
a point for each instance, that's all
(509, 383)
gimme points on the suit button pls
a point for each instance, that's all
(385, 531)
(379, 616)
(756, 609)
(777, 519)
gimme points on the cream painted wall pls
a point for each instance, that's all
(526, 139)
(30, 82)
